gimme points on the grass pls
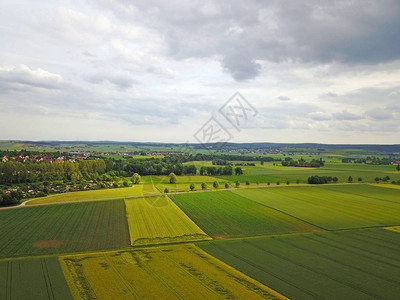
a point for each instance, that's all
(157, 220)
(63, 228)
(34, 279)
(136, 190)
(359, 264)
(224, 214)
(178, 272)
(384, 185)
(332, 207)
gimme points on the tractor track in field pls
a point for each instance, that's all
(23, 204)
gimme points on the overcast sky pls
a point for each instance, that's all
(156, 70)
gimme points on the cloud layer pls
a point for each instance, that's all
(157, 70)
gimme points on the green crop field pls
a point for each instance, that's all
(359, 264)
(34, 279)
(224, 214)
(332, 206)
(270, 173)
(157, 220)
(63, 228)
(136, 190)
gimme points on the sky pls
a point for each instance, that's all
(163, 71)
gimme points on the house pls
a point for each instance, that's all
(5, 158)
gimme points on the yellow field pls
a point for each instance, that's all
(187, 179)
(158, 220)
(393, 228)
(282, 168)
(136, 190)
(175, 272)
(387, 185)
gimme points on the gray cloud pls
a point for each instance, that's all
(122, 80)
(244, 32)
(283, 98)
(348, 116)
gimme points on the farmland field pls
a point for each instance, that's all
(40, 278)
(177, 272)
(332, 206)
(358, 264)
(157, 220)
(224, 214)
(63, 228)
(136, 190)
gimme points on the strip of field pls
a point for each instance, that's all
(33, 279)
(136, 190)
(392, 186)
(157, 220)
(224, 214)
(177, 272)
(63, 228)
(359, 264)
(333, 207)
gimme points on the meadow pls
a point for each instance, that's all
(157, 220)
(332, 207)
(40, 278)
(175, 272)
(359, 264)
(112, 193)
(223, 214)
(63, 228)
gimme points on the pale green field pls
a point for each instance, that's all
(158, 220)
(136, 190)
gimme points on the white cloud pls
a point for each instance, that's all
(162, 68)
(21, 78)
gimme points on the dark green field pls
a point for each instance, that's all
(224, 214)
(33, 279)
(332, 207)
(359, 264)
(63, 228)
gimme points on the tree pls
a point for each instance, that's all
(238, 171)
(247, 182)
(268, 183)
(226, 185)
(398, 168)
(126, 183)
(350, 179)
(359, 179)
(237, 183)
(278, 183)
(203, 185)
(288, 182)
(335, 179)
(297, 181)
(215, 185)
(135, 178)
(172, 178)
(115, 185)
(192, 187)
(166, 190)
(377, 179)
(262, 162)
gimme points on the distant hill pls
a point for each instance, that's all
(227, 146)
